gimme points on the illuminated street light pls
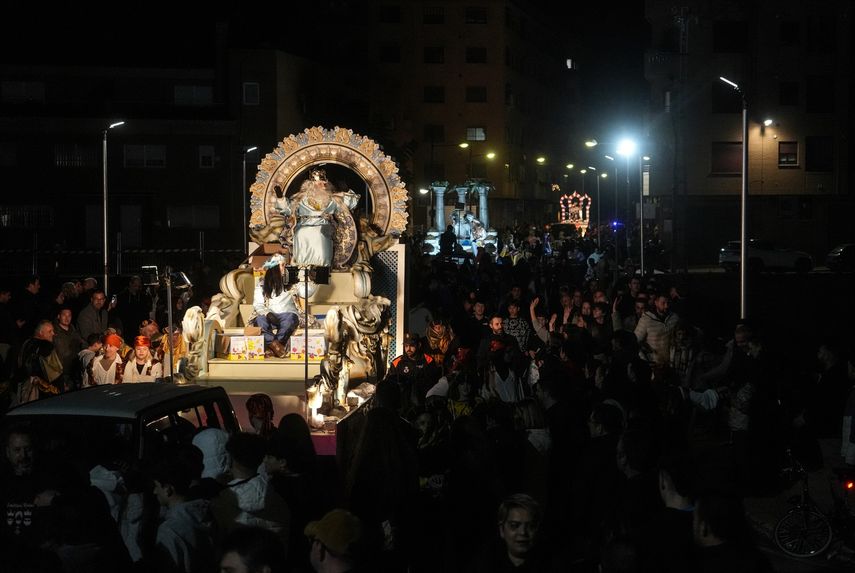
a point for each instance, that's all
(570, 166)
(768, 122)
(106, 252)
(627, 148)
(591, 143)
(490, 155)
(541, 160)
(463, 145)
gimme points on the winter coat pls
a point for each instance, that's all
(656, 332)
(184, 541)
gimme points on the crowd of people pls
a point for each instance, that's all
(551, 412)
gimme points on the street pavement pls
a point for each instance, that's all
(763, 514)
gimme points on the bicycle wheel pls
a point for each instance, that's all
(803, 532)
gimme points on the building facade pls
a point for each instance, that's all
(792, 62)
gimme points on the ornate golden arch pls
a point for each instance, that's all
(317, 145)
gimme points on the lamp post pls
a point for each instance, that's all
(627, 147)
(599, 227)
(243, 198)
(431, 211)
(743, 205)
(104, 162)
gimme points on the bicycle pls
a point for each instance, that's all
(806, 530)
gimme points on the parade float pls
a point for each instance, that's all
(329, 205)
(471, 230)
(575, 209)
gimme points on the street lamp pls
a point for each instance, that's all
(627, 148)
(104, 161)
(743, 200)
(244, 199)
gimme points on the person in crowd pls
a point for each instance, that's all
(667, 544)
(683, 353)
(94, 318)
(39, 371)
(538, 320)
(515, 325)
(275, 309)
(67, 340)
(499, 359)
(253, 550)
(340, 543)
(519, 519)
(249, 498)
(30, 305)
(516, 295)
(414, 372)
(9, 335)
(21, 476)
(447, 242)
(133, 305)
(106, 369)
(143, 366)
(94, 345)
(382, 481)
(654, 331)
(184, 541)
(440, 343)
(260, 410)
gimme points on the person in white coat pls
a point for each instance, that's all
(144, 367)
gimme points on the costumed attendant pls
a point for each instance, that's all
(276, 312)
(179, 350)
(106, 369)
(143, 367)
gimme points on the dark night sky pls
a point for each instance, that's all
(609, 40)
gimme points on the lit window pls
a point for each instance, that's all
(788, 153)
(476, 134)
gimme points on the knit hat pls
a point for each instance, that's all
(339, 530)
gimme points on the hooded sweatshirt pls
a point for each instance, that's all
(212, 443)
(184, 540)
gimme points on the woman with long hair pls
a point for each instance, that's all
(276, 311)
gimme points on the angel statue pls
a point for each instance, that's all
(313, 212)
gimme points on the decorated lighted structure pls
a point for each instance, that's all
(575, 209)
(470, 231)
(315, 224)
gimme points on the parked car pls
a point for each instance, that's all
(841, 258)
(763, 255)
(126, 421)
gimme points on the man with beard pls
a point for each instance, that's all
(654, 330)
(414, 372)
